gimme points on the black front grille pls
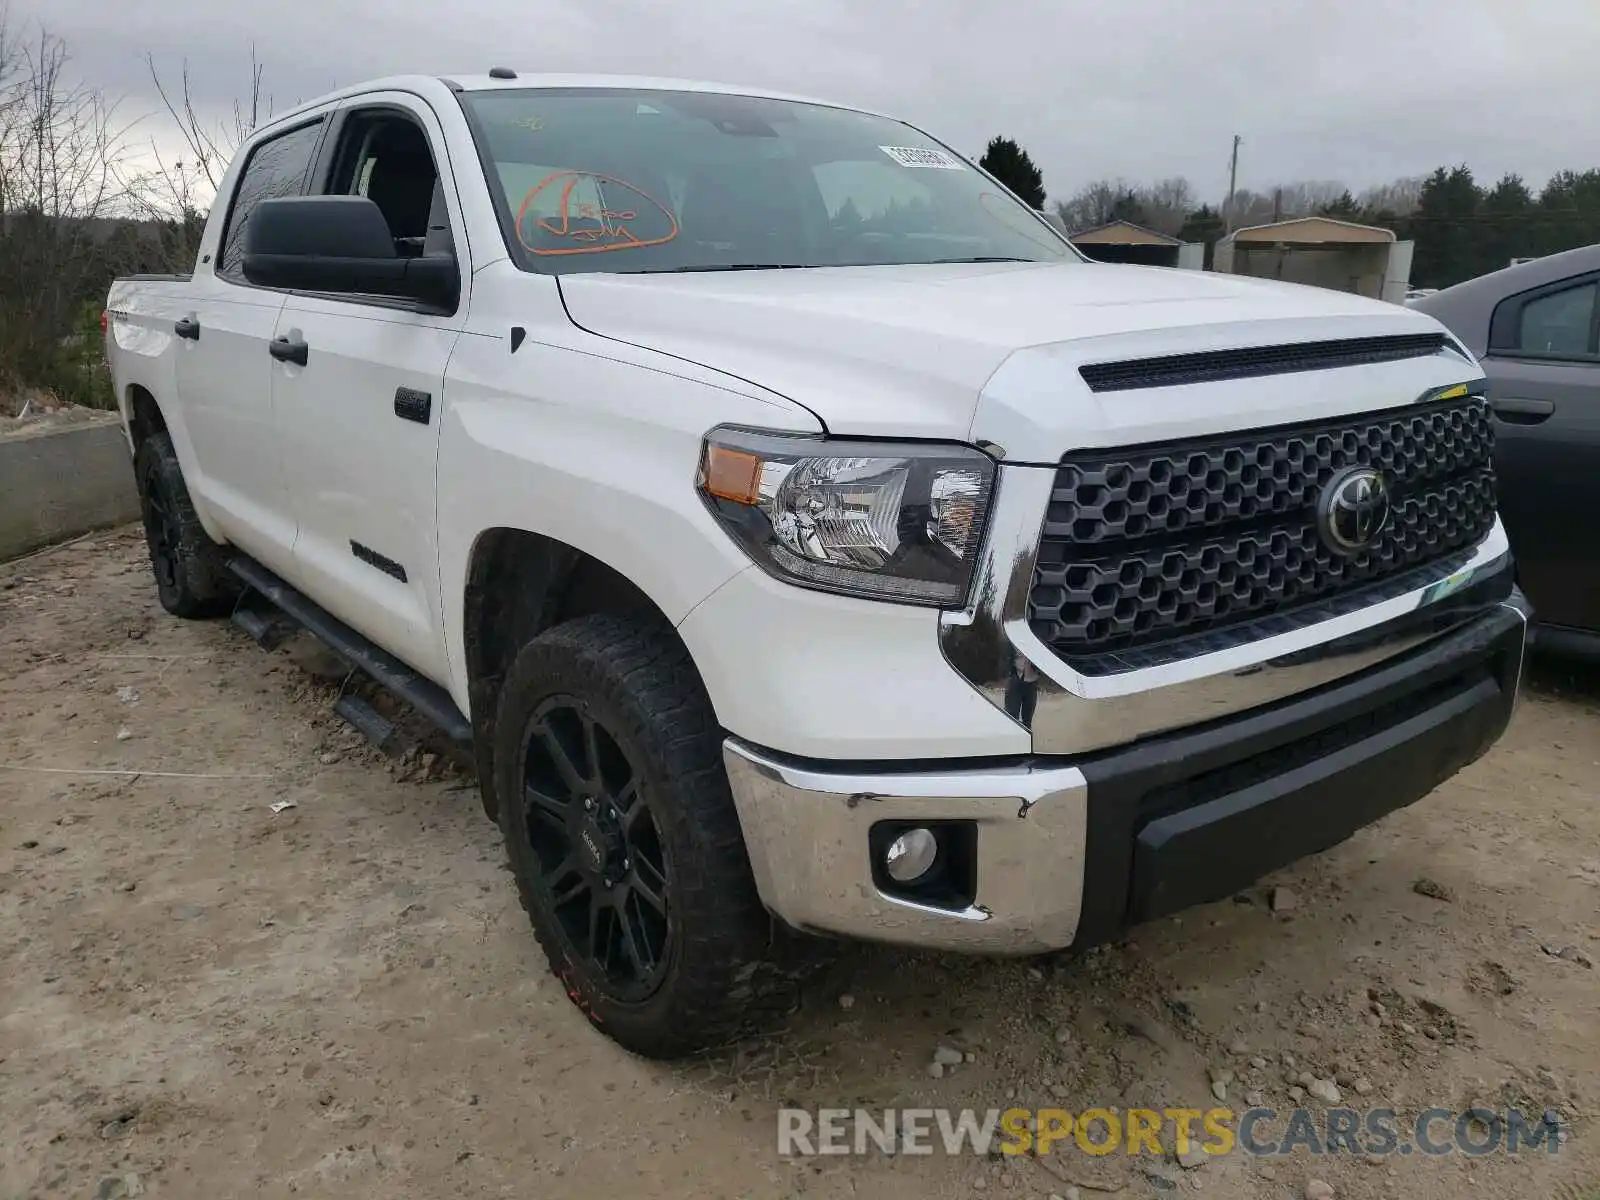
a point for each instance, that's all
(1209, 366)
(1152, 548)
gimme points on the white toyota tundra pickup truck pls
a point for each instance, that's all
(802, 535)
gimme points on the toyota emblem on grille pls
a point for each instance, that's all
(1352, 510)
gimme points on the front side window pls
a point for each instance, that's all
(276, 168)
(622, 180)
(385, 157)
(1561, 324)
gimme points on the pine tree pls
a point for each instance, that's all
(1010, 164)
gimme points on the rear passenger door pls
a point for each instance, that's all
(224, 376)
(1543, 365)
(358, 420)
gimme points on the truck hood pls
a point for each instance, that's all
(907, 351)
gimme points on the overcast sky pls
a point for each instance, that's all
(1362, 91)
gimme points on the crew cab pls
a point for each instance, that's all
(802, 535)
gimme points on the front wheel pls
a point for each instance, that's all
(624, 841)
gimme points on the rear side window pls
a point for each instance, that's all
(1561, 324)
(276, 167)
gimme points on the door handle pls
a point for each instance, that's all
(284, 350)
(411, 404)
(187, 327)
(1517, 411)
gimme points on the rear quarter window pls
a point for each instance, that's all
(1559, 321)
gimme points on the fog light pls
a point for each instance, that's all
(911, 855)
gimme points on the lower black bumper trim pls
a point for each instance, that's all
(1195, 816)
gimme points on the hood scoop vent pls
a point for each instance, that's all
(1212, 366)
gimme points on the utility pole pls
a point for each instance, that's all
(1277, 206)
(1233, 183)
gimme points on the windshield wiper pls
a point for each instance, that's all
(707, 267)
(718, 267)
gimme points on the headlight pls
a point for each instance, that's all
(885, 520)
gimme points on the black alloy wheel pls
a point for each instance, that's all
(623, 837)
(191, 574)
(160, 530)
(603, 866)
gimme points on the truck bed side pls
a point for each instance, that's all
(142, 349)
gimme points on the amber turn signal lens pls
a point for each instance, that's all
(731, 474)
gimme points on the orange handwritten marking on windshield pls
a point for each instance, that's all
(597, 228)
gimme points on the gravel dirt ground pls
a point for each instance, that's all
(204, 998)
(44, 414)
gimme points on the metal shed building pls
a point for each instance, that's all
(1125, 242)
(1321, 251)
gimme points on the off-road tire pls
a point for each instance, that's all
(726, 968)
(192, 578)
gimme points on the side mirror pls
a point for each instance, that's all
(340, 244)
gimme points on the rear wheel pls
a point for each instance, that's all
(622, 834)
(191, 577)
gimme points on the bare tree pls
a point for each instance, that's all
(12, 95)
(176, 191)
(62, 148)
(1093, 204)
(1399, 197)
(210, 144)
(1167, 202)
(81, 202)
(65, 145)
(1162, 205)
(1252, 208)
(1304, 197)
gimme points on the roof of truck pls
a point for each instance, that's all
(640, 83)
(485, 82)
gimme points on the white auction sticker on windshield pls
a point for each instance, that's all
(916, 156)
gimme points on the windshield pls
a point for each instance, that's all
(614, 180)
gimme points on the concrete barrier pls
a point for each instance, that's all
(58, 483)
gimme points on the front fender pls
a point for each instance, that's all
(594, 452)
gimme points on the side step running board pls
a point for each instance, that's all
(387, 671)
(267, 627)
(367, 721)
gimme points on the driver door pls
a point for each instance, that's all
(357, 393)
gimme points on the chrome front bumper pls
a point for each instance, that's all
(807, 829)
(1073, 850)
